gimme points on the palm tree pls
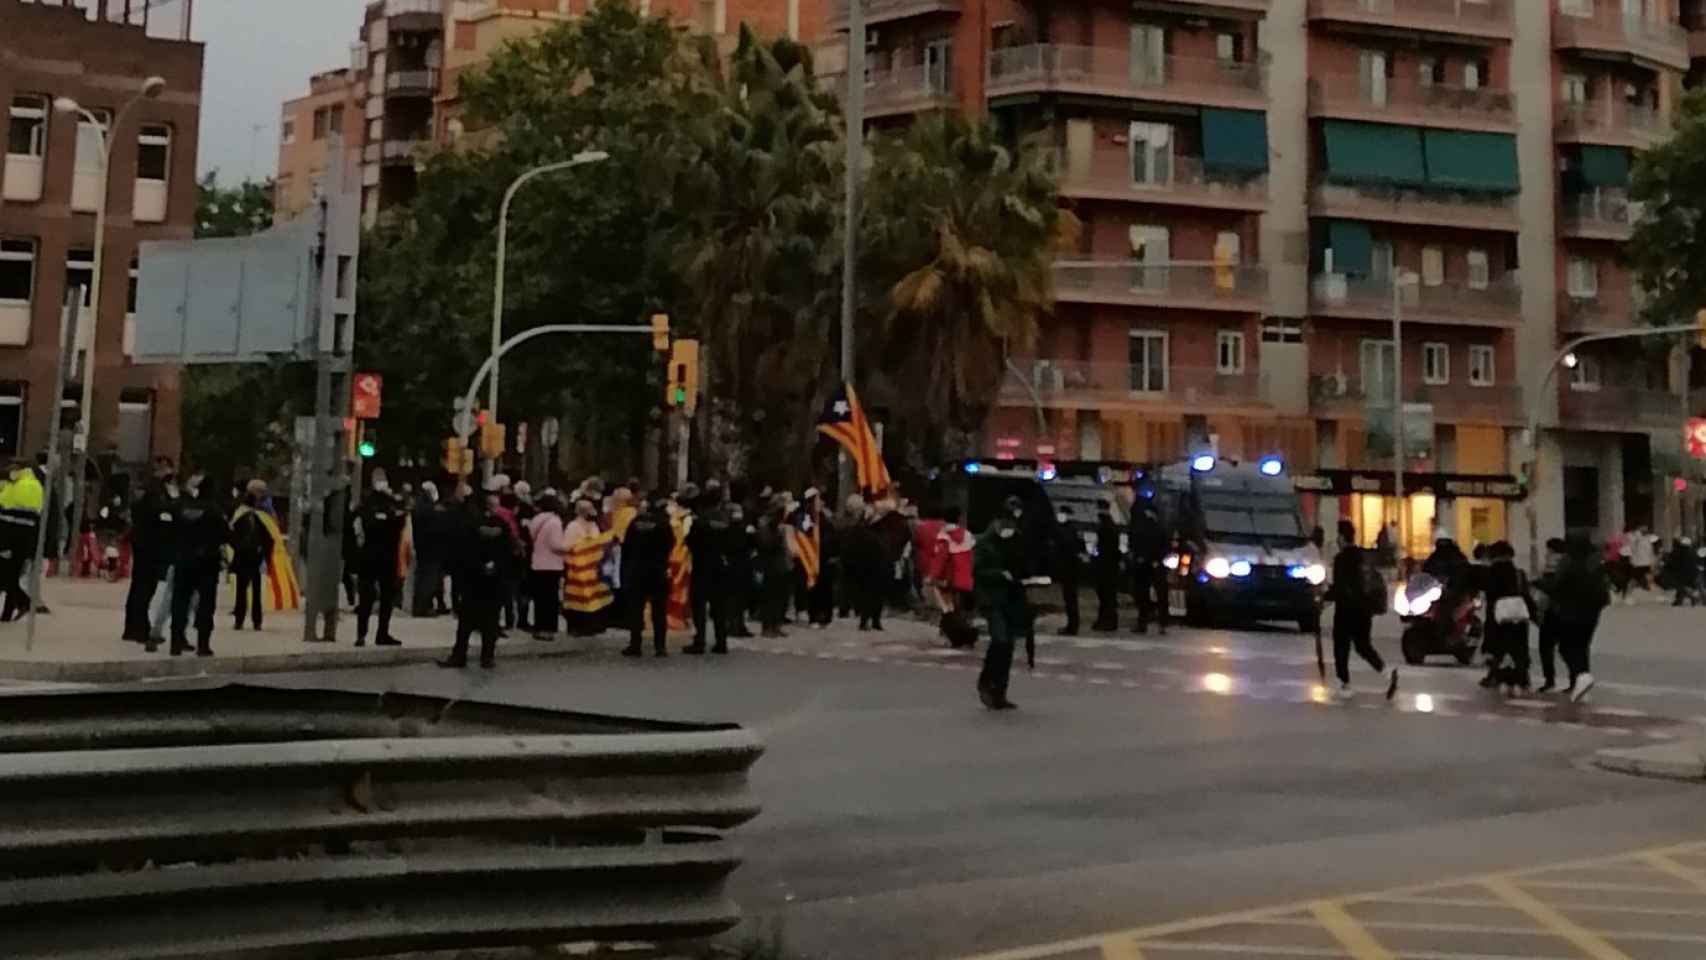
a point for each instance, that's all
(960, 232)
(755, 247)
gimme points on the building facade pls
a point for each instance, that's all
(1264, 183)
(307, 124)
(51, 180)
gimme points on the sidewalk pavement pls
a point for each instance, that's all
(79, 642)
(1674, 760)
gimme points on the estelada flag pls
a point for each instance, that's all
(281, 590)
(843, 421)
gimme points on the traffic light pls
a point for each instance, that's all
(458, 459)
(683, 386)
(492, 441)
(660, 332)
(367, 448)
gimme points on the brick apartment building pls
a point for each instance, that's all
(333, 105)
(400, 95)
(98, 54)
(1253, 174)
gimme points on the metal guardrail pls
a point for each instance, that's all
(214, 820)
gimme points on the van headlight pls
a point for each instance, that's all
(1170, 561)
(1315, 573)
(1218, 567)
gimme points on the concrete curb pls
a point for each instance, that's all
(333, 657)
(1663, 761)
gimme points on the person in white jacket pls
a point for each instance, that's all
(545, 570)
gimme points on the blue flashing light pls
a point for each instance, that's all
(1272, 467)
(1241, 568)
(974, 467)
(1047, 472)
(1203, 463)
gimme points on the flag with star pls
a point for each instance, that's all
(844, 422)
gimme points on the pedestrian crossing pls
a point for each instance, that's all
(1216, 665)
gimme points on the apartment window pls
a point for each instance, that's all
(80, 272)
(1573, 88)
(1151, 147)
(1480, 269)
(1436, 364)
(320, 124)
(1429, 71)
(335, 119)
(1229, 48)
(1151, 247)
(1148, 54)
(1481, 366)
(1433, 266)
(91, 142)
(1582, 280)
(26, 131)
(1379, 363)
(287, 132)
(1229, 247)
(17, 271)
(1474, 74)
(1576, 8)
(939, 65)
(135, 425)
(1229, 352)
(1585, 375)
(1148, 354)
(1374, 68)
(1282, 330)
(11, 418)
(375, 130)
(153, 152)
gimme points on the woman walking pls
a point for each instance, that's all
(1577, 593)
(1510, 605)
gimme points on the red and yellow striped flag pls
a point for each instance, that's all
(844, 422)
(807, 547)
(584, 587)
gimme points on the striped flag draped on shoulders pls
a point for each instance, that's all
(805, 542)
(843, 421)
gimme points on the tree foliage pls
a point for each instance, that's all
(1668, 251)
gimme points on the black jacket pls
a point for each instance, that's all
(1148, 539)
(482, 550)
(1107, 545)
(153, 534)
(645, 551)
(379, 522)
(864, 554)
(201, 533)
(251, 543)
(1351, 581)
(1576, 592)
(708, 542)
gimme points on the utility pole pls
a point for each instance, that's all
(855, 106)
(67, 332)
(1398, 407)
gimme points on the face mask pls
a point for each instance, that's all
(381, 486)
(1007, 533)
(1061, 517)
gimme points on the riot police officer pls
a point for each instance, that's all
(378, 528)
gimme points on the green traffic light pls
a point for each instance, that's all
(680, 395)
(367, 449)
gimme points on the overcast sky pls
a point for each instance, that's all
(259, 54)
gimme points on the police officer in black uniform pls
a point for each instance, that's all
(480, 553)
(645, 575)
(708, 543)
(201, 534)
(378, 527)
(1148, 549)
(1068, 560)
(1106, 567)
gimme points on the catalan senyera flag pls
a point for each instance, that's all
(843, 421)
(584, 586)
(281, 591)
(807, 546)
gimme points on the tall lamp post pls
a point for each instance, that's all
(1401, 278)
(151, 88)
(579, 159)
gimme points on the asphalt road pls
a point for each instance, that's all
(1142, 781)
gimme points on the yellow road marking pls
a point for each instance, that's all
(1220, 949)
(1120, 948)
(1355, 938)
(1589, 943)
(1666, 865)
(1604, 887)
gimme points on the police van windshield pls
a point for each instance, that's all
(1251, 516)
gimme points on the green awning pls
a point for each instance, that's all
(1352, 245)
(1470, 160)
(1374, 153)
(1605, 167)
(1235, 140)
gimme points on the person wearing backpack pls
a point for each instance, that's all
(1510, 605)
(1358, 595)
(251, 545)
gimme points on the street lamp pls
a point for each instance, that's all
(1572, 361)
(579, 159)
(1400, 279)
(151, 89)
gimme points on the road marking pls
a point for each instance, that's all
(1601, 887)
(1666, 865)
(1589, 943)
(1237, 948)
(1120, 948)
(1353, 936)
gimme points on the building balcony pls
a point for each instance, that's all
(1458, 401)
(1612, 123)
(1618, 408)
(1656, 42)
(1599, 214)
(883, 11)
(1113, 72)
(1203, 6)
(897, 92)
(1184, 286)
(412, 83)
(1404, 100)
(1108, 177)
(1486, 19)
(1495, 304)
(1589, 315)
(394, 152)
(1432, 208)
(1075, 384)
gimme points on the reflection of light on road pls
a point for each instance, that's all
(1217, 651)
(1424, 703)
(1217, 683)
(1318, 694)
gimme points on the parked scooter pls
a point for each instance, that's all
(1430, 628)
